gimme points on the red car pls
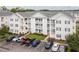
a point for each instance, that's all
(23, 41)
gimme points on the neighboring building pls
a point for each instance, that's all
(56, 24)
(4, 17)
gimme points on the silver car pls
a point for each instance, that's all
(61, 48)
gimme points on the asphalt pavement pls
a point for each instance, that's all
(17, 47)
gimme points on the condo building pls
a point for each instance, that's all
(55, 24)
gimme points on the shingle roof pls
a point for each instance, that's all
(46, 13)
(5, 13)
(26, 14)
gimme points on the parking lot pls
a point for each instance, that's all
(16, 47)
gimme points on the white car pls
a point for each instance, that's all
(15, 39)
(55, 47)
(19, 39)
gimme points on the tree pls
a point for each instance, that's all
(19, 9)
(73, 41)
(14, 9)
(4, 30)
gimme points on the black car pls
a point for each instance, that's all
(10, 38)
(48, 45)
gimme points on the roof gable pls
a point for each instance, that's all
(63, 14)
(40, 15)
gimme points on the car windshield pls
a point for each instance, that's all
(61, 46)
(55, 46)
(47, 44)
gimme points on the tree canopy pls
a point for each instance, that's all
(4, 30)
(73, 41)
(19, 9)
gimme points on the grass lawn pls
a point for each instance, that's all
(36, 36)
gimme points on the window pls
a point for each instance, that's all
(40, 30)
(58, 35)
(48, 20)
(11, 30)
(16, 25)
(16, 19)
(53, 31)
(67, 29)
(22, 27)
(52, 21)
(36, 30)
(16, 30)
(11, 19)
(26, 28)
(38, 19)
(67, 22)
(58, 22)
(2, 17)
(11, 25)
(73, 27)
(22, 19)
(41, 24)
(25, 18)
(58, 29)
(2, 24)
(36, 24)
(48, 31)
(48, 25)
(1, 20)
(26, 22)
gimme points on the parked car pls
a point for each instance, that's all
(32, 40)
(48, 45)
(15, 39)
(61, 48)
(10, 38)
(23, 41)
(55, 47)
(35, 43)
(27, 43)
(19, 39)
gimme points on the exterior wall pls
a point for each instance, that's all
(43, 22)
(62, 18)
(19, 21)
